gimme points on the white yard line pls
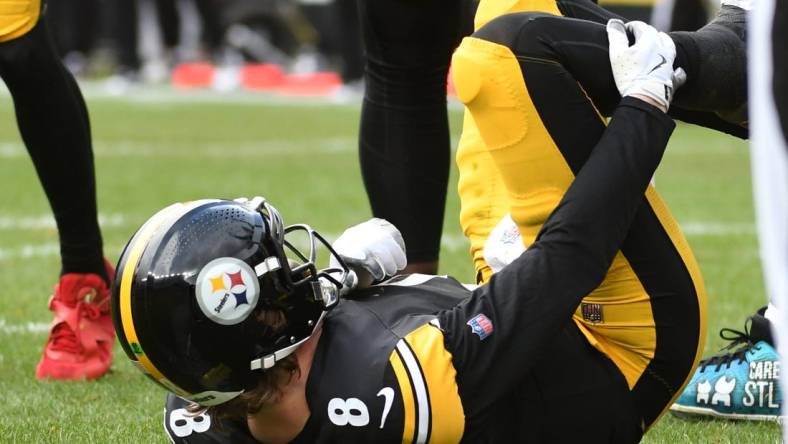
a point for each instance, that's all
(163, 96)
(718, 228)
(24, 328)
(129, 148)
(46, 222)
(450, 242)
(30, 251)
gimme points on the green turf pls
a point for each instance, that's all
(150, 153)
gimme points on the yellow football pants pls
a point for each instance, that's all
(511, 165)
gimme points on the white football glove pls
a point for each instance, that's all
(374, 246)
(646, 67)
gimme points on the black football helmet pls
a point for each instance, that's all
(193, 278)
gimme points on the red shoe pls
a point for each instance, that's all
(81, 339)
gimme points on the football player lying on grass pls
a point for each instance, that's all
(215, 302)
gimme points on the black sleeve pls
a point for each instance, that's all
(497, 334)
(184, 428)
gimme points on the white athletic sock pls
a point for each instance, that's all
(775, 318)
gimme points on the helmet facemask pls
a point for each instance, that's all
(291, 282)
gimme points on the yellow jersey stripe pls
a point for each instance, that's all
(434, 369)
(419, 390)
(409, 427)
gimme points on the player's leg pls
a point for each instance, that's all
(169, 22)
(560, 400)
(53, 121)
(561, 38)
(539, 127)
(482, 204)
(514, 318)
(124, 19)
(484, 200)
(750, 398)
(562, 397)
(404, 136)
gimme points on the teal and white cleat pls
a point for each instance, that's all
(742, 383)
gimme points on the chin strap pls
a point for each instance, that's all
(268, 265)
(268, 361)
(325, 291)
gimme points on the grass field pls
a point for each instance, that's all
(154, 149)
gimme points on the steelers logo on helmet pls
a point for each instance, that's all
(227, 290)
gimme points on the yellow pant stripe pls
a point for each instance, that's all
(535, 174)
(671, 226)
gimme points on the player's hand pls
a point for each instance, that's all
(374, 246)
(646, 67)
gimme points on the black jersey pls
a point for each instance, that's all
(384, 375)
(423, 359)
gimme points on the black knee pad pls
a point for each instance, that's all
(17, 53)
(403, 85)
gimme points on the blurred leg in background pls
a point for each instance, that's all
(680, 15)
(75, 27)
(53, 122)
(404, 137)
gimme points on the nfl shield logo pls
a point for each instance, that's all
(481, 326)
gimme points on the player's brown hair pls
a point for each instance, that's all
(269, 385)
